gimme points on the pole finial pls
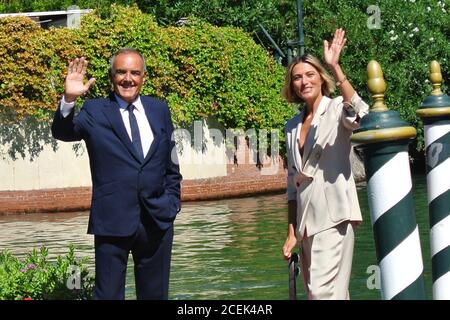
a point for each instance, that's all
(436, 78)
(377, 86)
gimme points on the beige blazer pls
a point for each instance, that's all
(322, 181)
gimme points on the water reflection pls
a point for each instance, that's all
(225, 256)
(22, 233)
(227, 249)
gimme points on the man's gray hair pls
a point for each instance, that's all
(123, 51)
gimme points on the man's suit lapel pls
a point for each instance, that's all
(112, 112)
(156, 124)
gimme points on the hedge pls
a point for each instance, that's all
(411, 34)
(36, 277)
(200, 69)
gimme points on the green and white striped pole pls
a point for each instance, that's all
(435, 112)
(384, 138)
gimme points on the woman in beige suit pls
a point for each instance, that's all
(323, 207)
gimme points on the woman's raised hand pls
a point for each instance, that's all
(332, 51)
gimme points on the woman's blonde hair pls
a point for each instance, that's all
(288, 91)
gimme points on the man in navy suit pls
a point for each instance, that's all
(135, 175)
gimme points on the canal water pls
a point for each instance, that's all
(227, 249)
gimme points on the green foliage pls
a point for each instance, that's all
(32, 61)
(277, 16)
(411, 35)
(11, 6)
(200, 69)
(32, 69)
(37, 278)
(221, 72)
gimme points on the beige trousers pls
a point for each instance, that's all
(326, 262)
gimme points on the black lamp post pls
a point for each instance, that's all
(301, 36)
(300, 43)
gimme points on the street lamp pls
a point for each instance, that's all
(300, 43)
(301, 36)
(292, 44)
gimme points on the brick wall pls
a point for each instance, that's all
(241, 180)
(46, 200)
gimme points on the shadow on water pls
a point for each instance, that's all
(227, 249)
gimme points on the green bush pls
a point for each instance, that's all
(32, 65)
(412, 33)
(37, 278)
(277, 16)
(32, 69)
(200, 69)
(8, 6)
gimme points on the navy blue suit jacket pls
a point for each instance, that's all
(123, 187)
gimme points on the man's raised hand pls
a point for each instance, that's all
(74, 86)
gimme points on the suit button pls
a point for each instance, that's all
(318, 155)
(298, 184)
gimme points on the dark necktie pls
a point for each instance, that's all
(135, 136)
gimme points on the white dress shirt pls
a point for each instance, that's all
(145, 130)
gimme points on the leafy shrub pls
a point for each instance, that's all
(187, 64)
(411, 34)
(32, 66)
(32, 63)
(36, 278)
(8, 6)
(201, 70)
(277, 16)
